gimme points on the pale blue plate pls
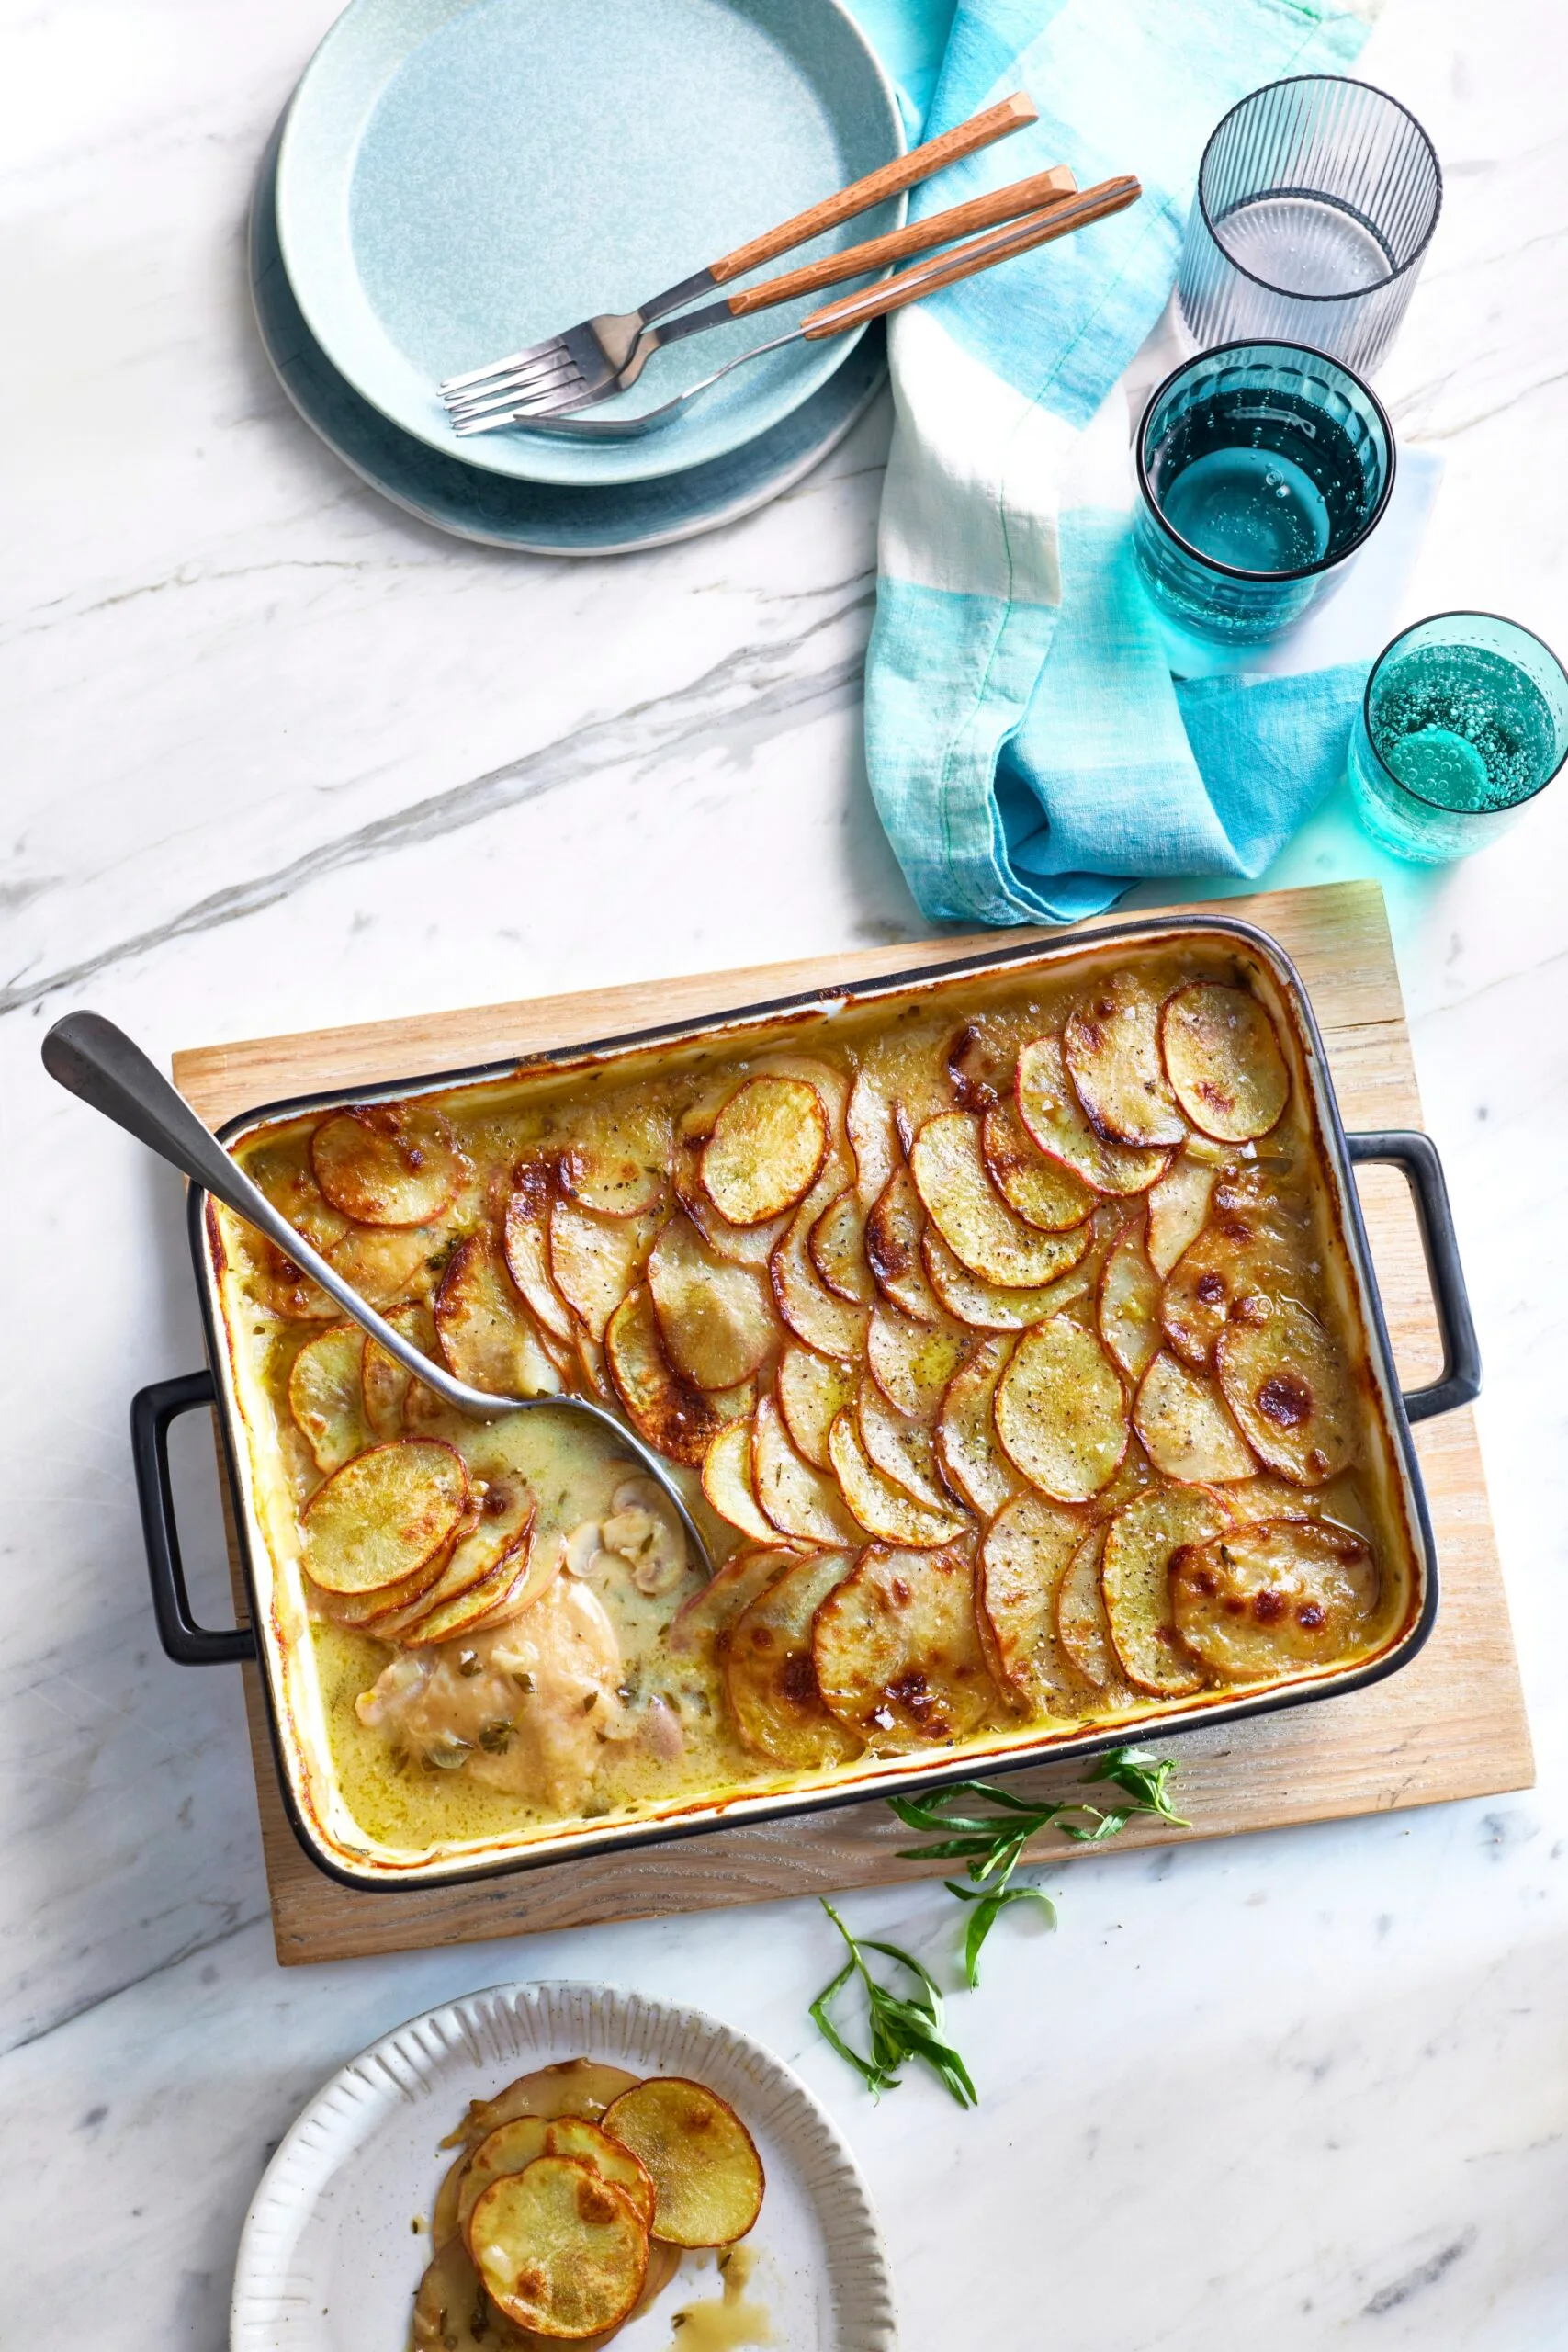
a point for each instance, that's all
(538, 518)
(459, 178)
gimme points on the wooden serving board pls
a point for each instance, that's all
(1451, 1724)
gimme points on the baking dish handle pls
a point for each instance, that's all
(1415, 1156)
(151, 1410)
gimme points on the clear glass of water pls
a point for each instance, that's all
(1262, 467)
(1317, 200)
(1465, 721)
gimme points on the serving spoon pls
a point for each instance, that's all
(90, 1058)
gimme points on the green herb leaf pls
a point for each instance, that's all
(1147, 1779)
(989, 1903)
(900, 2027)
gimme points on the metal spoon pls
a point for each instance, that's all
(91, 1057)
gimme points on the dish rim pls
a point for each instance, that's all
(904, 1775)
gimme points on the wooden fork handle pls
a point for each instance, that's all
(905, 170)
(918, 237)
(1058, 220)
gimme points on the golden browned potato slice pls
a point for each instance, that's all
(1186, 1427)
(903, 1449)
(1051, 1110)
(970, 1452)
(502, 1518)
(837, 1249)
(979, 1065)
(1026, 1549)
(1060, 1411)
(912, 1362)
(1044, 1192)
(515, 1580)
(833, 1326)
(388, 1163)
(1135, 1581)
(812, 1391)
(325, 1396)
(987, 1307)
(1286, 1382)
(727, 1483)
(1082, 1628)
(872, 1137)
(1223, 1061)
(1128, 1304)
(770, 1677)
(743, 1245)
(571, 2087)
(949, 1168)
(559, 2248)
(618, 1162)
(707, 2176)
(1271, 1599)
(767, 1145)
(486, 1334)
(1178, 1209)
(386, 1386)
(1240, 1256)
(893, 1228)
(512, 2147)
(671, 1414)
(1110, 1047)
(290, 1187)
(882, 1506)
(801, 1503)
(716, 1319)
(595, 1261)
(897, 1651)
(391, 1263)
(453, 2314)
(381, 1518)
(706, 1618)
(526, 1240)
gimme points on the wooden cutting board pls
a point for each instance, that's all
(1451, 1724)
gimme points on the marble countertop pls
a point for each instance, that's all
(276, 755)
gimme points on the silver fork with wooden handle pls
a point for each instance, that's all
(598, 347)
(90, 1058)
(561, 411)
(495, 404)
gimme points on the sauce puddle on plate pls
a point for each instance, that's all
(731, 2320)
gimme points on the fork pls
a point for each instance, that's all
(556, 411)
(605, 342)
(494, 404)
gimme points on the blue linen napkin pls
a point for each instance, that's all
(1030, 754)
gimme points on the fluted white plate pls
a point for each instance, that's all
(329, 2261)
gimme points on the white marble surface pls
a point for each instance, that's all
(276, 756)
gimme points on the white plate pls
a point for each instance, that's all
(329, 2263)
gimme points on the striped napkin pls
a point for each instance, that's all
(1030, 753)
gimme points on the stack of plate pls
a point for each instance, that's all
(458, 179)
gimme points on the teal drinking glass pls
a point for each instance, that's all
(1262, 467)
(1465, 721)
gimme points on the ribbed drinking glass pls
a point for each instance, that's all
(1317, 200)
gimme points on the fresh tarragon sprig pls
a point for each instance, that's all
(992, 1842)
(900, 2027)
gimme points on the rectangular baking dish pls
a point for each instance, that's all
(314, 1808)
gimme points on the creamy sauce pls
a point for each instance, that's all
(726, 2321)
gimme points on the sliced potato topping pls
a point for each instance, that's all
(389, 1264)
(837, 1248)
(1081, 1626)
(669, 1412)
(801, 1503)
(1044, 1192)
(502, 1518)
(1224, 1061)
(833, 1326)
(970, 1452)
(897, 1651)
(1186, 1427)
(985, 1235)
(872, 1137)
(894, 1230)
(729, 1485)
(912, 1362)
(559, 2248)
(383, 1516)
(1027, 1548)
(812, 1391)
(1110, 1047)
(1053, 1115)
(570, 2087)
(486, 1333)
(386, 1163)
(1265, 1599)
(703, 1621)
(1060, 1411)
(769, 1676)
(1287, 1384)
(1178, 1205)
(595, 1260)
(988, 1306)
(525, 1239)
(1129, 1305)
(618, 1161)
(716, 1319)
(326, 1397)
(388, 1389)
(512, 2147)
(903, 1448)
(882, 1506)
(767, 1145)
(707, 2176)
(1240, 1256)
(1135, 1580)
